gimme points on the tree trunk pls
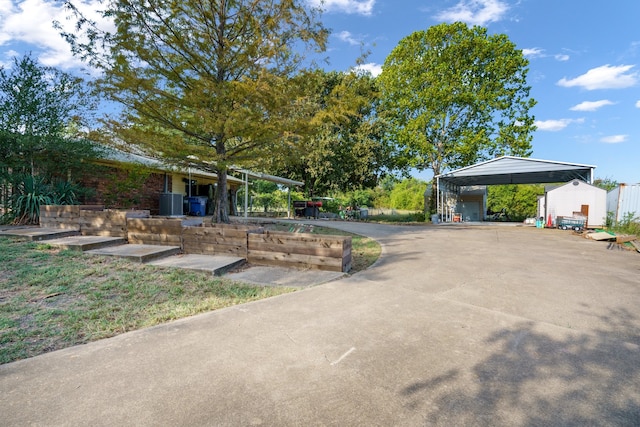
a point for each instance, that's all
(433, 199)
(233, 195)
(221, 211)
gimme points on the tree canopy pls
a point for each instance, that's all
(42, 113)
(346, 149)
(517, 201)
(454, 95)
(206, 82)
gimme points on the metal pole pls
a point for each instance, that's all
(246, 194)
(438, 198)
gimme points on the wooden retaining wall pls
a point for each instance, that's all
(64, 216)
(260, 247)
(322, 252)
(89, 220)
(110, 222)
(218, 239)
(154, 231)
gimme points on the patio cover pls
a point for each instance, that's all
(277, 179)
(509, 170)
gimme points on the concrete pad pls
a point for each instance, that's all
(279, 276)
(453, 326)
(216, 264)
(37, 233)
(86, 243)
(139, 253)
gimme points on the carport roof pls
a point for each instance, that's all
(517, 170)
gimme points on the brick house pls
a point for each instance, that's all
(122, 180)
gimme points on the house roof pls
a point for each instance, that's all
(517, 170)
(114, 155)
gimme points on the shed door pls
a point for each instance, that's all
(584, 210)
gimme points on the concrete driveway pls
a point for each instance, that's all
(488, 326)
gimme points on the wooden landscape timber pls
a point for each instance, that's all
(153, 231)
(322, 252)
(218, 239)
(65, 217)
(625, 238)
(110, 222)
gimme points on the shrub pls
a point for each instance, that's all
(630, 224)
(33, 191)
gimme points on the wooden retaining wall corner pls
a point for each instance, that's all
(322, 252)
(218, 239)
(152, 231)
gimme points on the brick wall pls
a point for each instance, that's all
(125, 188)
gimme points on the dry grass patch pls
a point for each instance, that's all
(52, 299)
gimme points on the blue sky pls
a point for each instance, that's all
(584, 61)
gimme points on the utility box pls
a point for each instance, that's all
(171, 204)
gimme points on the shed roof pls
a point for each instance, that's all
(517, 170)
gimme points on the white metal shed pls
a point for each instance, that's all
(624, 202)
(572, 198)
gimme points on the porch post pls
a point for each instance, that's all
(246, 194)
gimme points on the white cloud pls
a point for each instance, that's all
(591, 105)
(604, 77)
(372, 68)
(638, 104)
(535, 52)
(31, 22)
(555, 125)
(614, 139)
(361, 7)
(347, 37)
(475, 12)
(7, 58)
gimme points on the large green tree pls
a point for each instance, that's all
(454, 95)
(42, 113)
(205, 82)
(346, 150)
(517, 201)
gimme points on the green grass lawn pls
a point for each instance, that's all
(52, 299)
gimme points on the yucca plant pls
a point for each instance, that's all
(32, 191)
(65, 193)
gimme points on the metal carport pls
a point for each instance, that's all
(506, 170)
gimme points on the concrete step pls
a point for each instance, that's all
(86, 243)
(216, 264)
(139, 253)
(37, 234)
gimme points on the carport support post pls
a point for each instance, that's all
(438, 198)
